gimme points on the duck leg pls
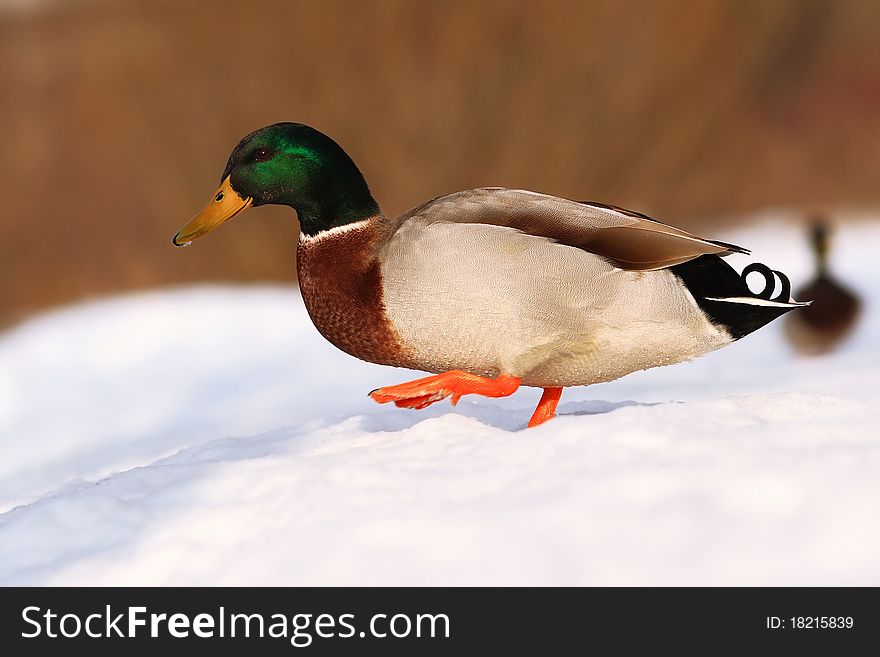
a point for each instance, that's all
(546, 407)
(424, 392)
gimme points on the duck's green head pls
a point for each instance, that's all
(287, 164)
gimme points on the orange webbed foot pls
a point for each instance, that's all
(421, 393)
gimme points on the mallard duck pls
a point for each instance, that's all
(835, 308)
(489, 289)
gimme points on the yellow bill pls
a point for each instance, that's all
(224, 206)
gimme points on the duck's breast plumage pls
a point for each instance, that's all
(340, 280)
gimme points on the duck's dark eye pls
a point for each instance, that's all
(262, 154)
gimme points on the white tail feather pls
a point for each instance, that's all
(757, 301)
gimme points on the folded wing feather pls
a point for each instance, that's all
(629, 240)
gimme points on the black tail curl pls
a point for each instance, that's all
(769, 282)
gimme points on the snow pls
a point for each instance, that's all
(210, 436)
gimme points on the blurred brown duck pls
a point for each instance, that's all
(820, 327)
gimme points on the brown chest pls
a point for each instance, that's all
(341, 284)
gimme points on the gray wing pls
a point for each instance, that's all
(629, 240)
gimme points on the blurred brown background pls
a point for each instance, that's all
(117, 117)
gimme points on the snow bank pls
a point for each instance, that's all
(140, 444)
